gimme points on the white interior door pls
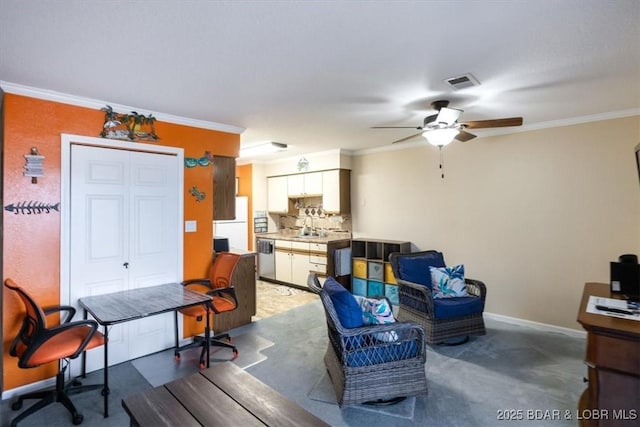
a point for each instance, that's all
(124, 210)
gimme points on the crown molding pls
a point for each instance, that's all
(79, 101)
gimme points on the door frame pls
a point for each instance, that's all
(67, 140)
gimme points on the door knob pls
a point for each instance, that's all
(126, 265)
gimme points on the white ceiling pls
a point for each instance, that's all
(317, 75)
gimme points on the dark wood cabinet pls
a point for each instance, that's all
(613, 360)
(224, 188)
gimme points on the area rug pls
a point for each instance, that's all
(322, 391)
(273, 298)
(162, 367)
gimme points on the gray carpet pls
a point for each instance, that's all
(124, 380)
(512, 367)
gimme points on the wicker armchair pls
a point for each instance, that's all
(443, 319)
(372, 364)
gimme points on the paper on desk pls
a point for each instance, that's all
(614, 303)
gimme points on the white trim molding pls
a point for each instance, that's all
(575, 333)
(63, 98)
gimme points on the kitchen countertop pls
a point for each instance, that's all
(331, 237)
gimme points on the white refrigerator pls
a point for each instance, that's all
(235, 230)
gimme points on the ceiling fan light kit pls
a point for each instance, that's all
(440, 137)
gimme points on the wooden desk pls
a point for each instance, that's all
(123, 306)
(613, 358)
(221, 395)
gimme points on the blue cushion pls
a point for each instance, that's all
(447, 308)
(416, 269)
(376, 355)
(347, 308)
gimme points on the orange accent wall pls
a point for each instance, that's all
(31, 243)
(245, 180)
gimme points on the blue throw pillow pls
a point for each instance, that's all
(416, 269)
(347, 308)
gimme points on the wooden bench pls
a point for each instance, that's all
(221, 395)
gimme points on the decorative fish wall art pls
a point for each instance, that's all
(199, 195)
(31, 208)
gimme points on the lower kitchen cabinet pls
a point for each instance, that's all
(294, 260)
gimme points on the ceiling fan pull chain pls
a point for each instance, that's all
(441, 162)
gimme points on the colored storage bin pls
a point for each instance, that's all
(359, 287)
(375, 271)
(360, 268)
(388, 274)
(374, 288)
(391, 292)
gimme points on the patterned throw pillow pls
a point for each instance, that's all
(375, 311)
(448, 282)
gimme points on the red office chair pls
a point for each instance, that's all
(37, 344)
(220, 288)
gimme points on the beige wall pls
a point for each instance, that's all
(534, 215)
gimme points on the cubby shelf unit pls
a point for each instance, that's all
(371, 273)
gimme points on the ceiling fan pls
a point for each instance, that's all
(443, 127)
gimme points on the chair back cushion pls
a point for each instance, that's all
(222, 269)
(346, 307)
(415, 267)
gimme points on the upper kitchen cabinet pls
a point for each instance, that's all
(224, 188)
(304, 184)
(334, 186)
(336, 195)
(277, 199)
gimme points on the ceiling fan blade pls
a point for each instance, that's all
(407, 138)
(448, 115)
(464, 136)
(496, 123)
(396, 127)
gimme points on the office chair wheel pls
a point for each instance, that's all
(228, 339)
(16, 405)
(77, 419)
(235, 354)
(76, 382)
(102, 392)
(176, 356)
(203, 365)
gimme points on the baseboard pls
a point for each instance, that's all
(28, 388)
(537, 325)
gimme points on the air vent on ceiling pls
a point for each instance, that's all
(463, 81)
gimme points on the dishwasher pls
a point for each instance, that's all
(266, 258)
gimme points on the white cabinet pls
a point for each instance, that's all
(277, 198)
(336, 197)
(334, 186)
(283, 260)
(304, 184)
(292, 262)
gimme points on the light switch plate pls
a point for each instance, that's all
(190, 226)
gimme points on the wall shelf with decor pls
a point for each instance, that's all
(371, 273)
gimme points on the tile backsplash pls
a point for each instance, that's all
(310, 213)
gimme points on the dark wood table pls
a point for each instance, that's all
(612, 397)
(221, 395)
(124, 306)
